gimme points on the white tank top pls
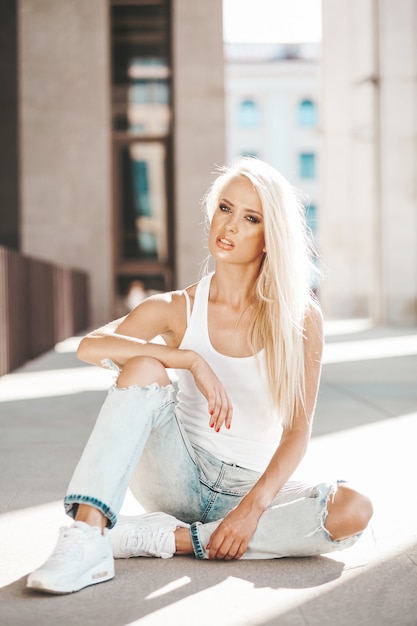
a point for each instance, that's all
(256, 429)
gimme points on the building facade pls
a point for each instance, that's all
(368, 221)
(272, 93)
(114, 112)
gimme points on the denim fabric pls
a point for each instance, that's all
(115, 446)
(293, 525)
(138, 440)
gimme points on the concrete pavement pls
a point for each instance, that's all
(365, 431)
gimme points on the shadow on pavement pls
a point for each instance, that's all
(201, 584)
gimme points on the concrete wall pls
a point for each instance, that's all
(65, 139)
(347, 218)
(65, 131)
(199, 125)
(398, 149)
(368, 220)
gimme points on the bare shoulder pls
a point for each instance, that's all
(313, 326)
(314, 315)
(173, 301)
(191, 292)
(179, 302)
(171, 307)
(156, 315)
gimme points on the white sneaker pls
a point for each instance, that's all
(82, 557)
(145, 535)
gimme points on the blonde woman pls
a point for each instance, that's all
(212, 463)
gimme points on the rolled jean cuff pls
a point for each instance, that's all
(199, 549)
(72, 501)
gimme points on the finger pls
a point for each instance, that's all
(216, 412)
(241, 550)
(215, 542)
(236, 550)
(229, 417)
(229, 553)
(214, 408)
(222, 543)
(219, 552)
(225, 412)
(214, 404)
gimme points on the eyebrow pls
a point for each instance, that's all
(246, 209)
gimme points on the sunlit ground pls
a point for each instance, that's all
(377, 457)
(382, 348)
(25, 385)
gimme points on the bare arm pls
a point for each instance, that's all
(163, 315)
(131, 336)
(230, 540)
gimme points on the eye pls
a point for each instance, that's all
(253, 219)
(224, 208)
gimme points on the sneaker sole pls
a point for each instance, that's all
(97, 575)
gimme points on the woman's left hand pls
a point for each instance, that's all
(231, 538)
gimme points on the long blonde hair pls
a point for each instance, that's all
(282, 291)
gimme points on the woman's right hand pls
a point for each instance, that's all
(219, 406)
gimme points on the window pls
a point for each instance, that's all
(307, 113)
(307, 165)
(249, 153)
(248, 114)
(142, 147)
(142, 201)
(141, 67)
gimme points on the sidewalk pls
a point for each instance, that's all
(365, 431)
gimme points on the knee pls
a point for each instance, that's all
(349, 513)
(361, 510)
(142, 371)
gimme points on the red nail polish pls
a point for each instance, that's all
(218, 429)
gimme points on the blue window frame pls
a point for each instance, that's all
(249, 153)
(249, 114)
(307, 165)
(307, 113)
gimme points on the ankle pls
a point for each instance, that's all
(91, 516)
(183, 543)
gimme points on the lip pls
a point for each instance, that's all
(225, 243)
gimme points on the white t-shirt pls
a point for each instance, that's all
(256, 429)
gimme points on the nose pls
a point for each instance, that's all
(231, 224)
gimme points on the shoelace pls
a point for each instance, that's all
(144, 541)
(69, 543)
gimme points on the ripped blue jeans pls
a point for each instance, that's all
(138, 441)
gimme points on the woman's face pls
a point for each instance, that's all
(237, 228)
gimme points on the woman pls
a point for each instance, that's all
(246, 342)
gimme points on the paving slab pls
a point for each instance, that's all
(365, 431)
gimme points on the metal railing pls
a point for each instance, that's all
(40, 304)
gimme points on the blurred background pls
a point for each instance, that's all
(115, 114)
